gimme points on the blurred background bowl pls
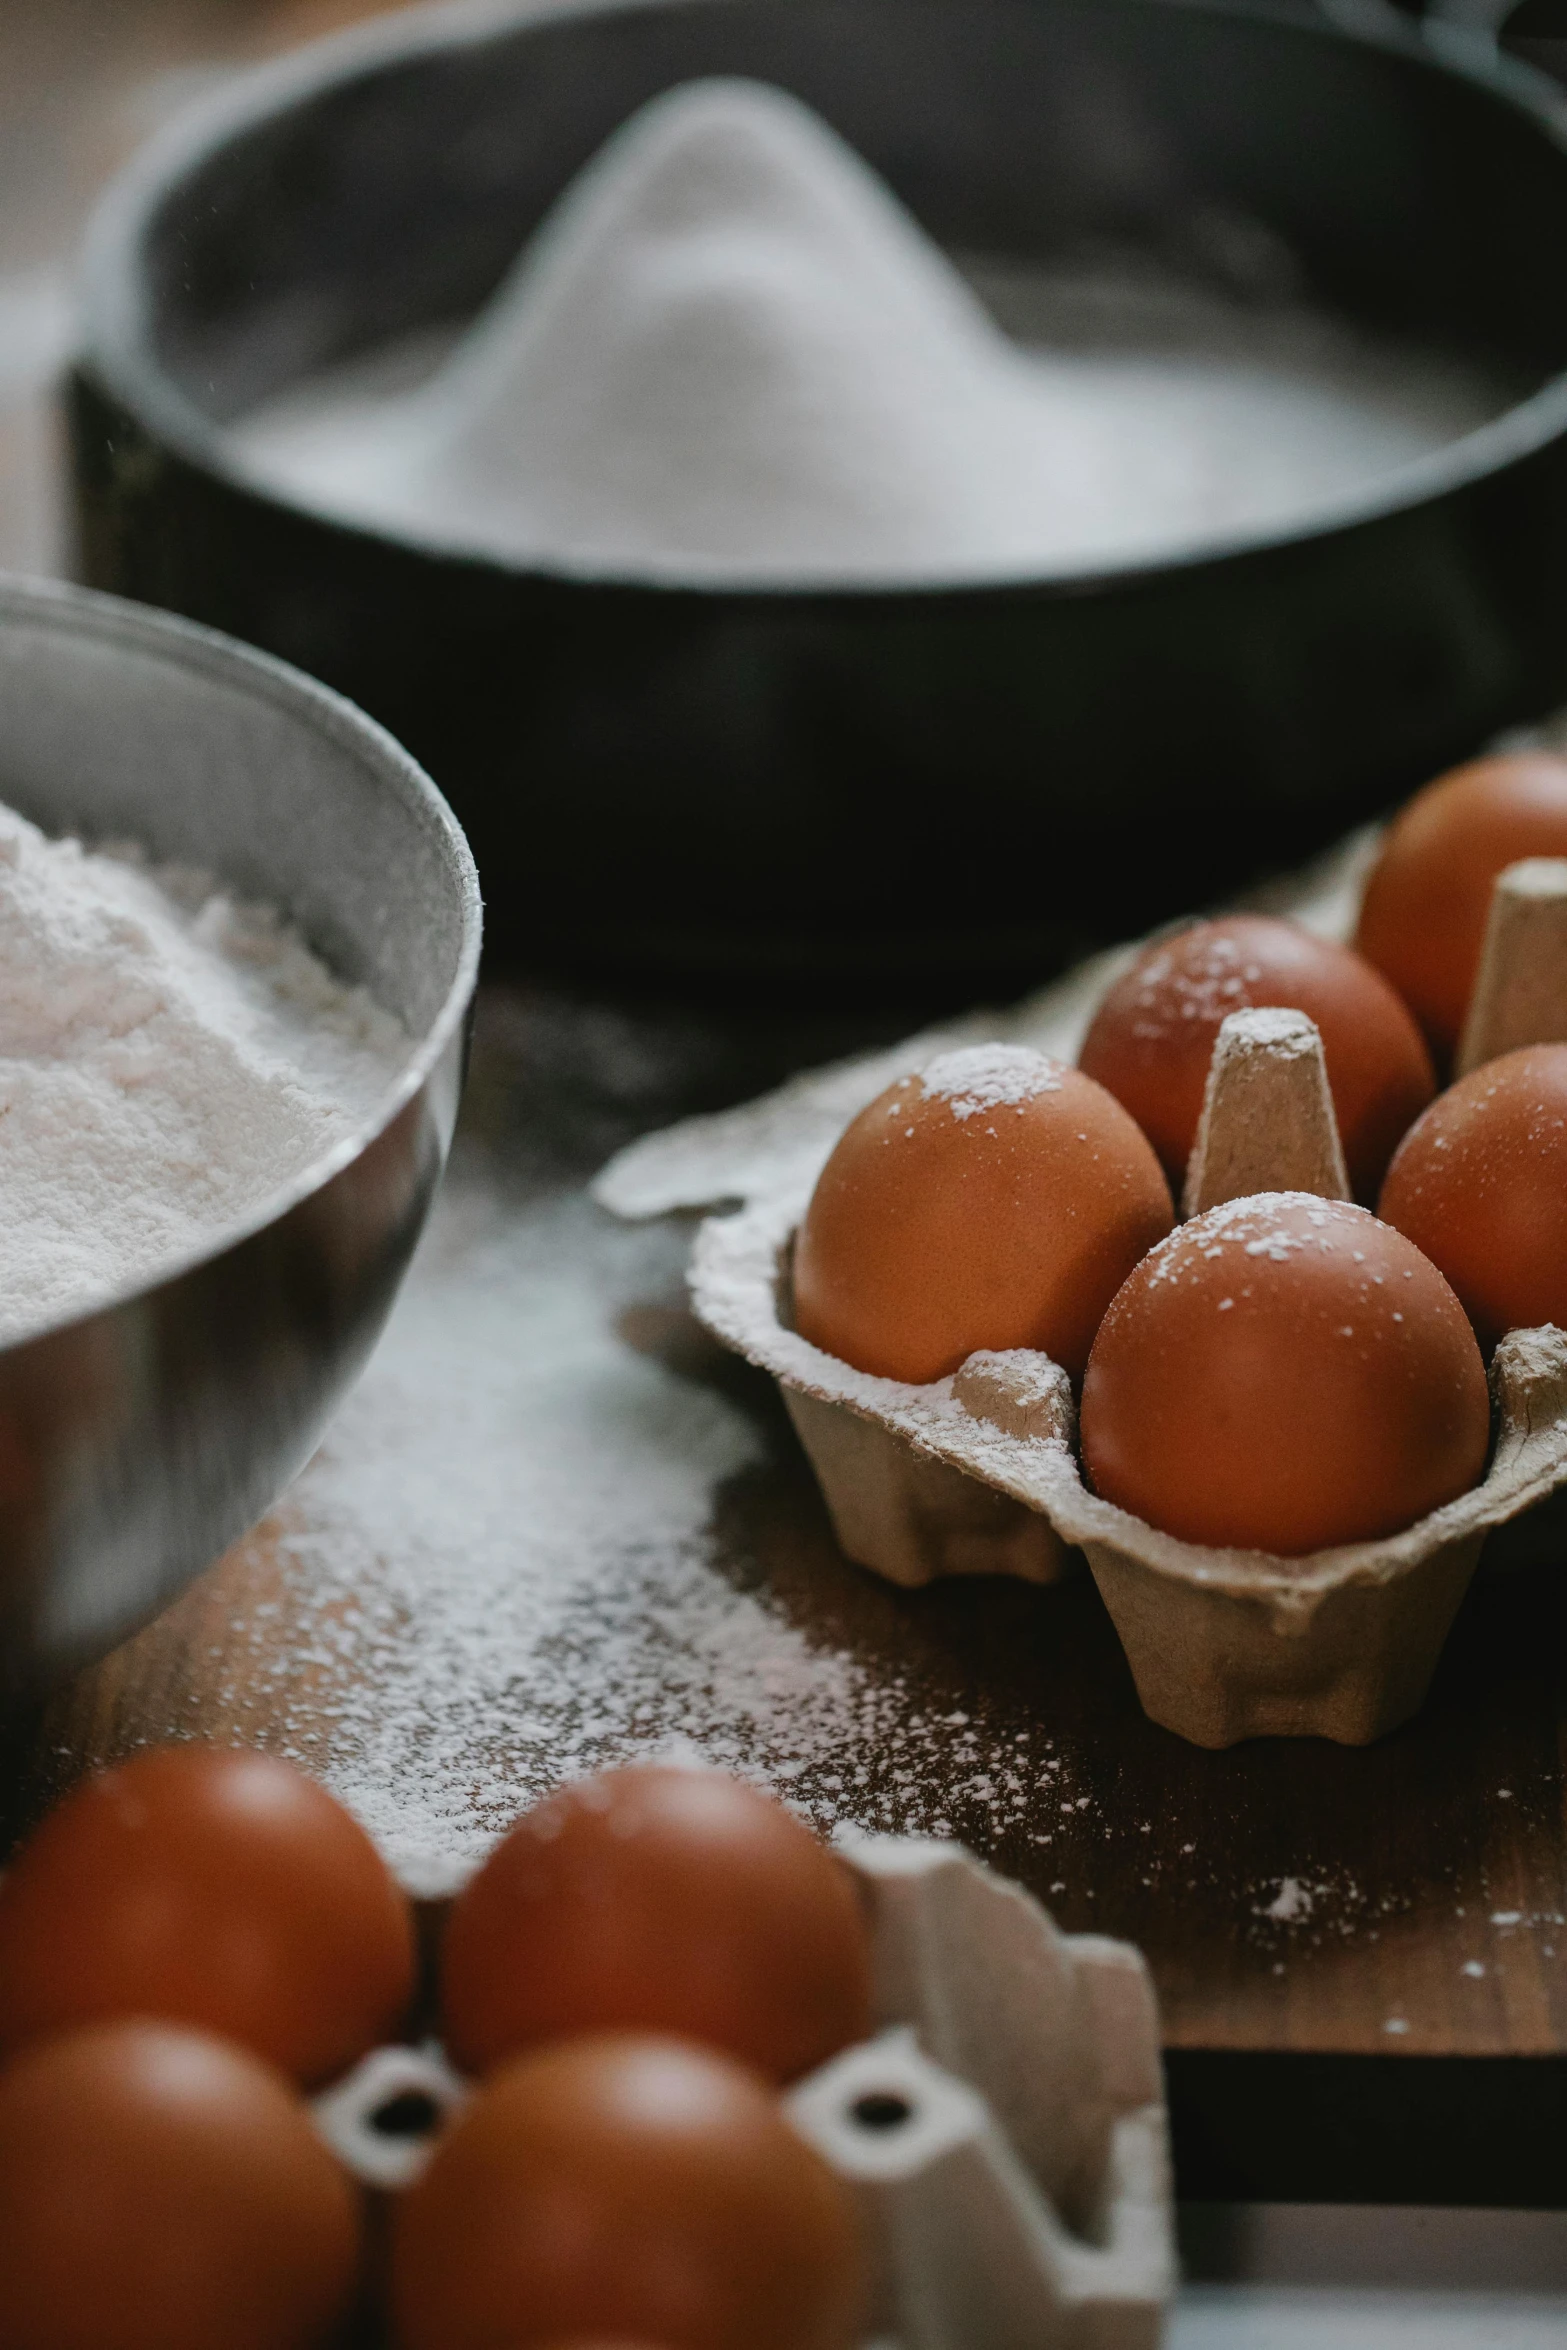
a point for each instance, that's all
(933, 789)
(138, 1442)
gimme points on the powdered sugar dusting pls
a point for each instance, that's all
(1283, 1032)
(1202, 974)
(1293, 1901)
(984, 1077)
(512, 1563)
(538, 1543)
(535, 1544)
(1274, 1225)
(503, 1536)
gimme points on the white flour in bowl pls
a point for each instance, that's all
(729, 352)
(168, 1059)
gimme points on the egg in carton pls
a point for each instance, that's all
(1004, 2132)
(978, 1473)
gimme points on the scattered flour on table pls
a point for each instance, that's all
(1293, 1901)
(168, 1059)
(504, 1570)
(503, 1547)
(729, 350)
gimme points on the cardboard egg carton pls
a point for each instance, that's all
(382, 2119)
(976, 1474)
(1223, 1644)
(1004, 2132)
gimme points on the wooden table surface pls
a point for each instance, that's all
(1362, 1956)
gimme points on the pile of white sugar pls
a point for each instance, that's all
(168, 1060)
(729, 352)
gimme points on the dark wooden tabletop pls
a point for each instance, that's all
(1361, 1956)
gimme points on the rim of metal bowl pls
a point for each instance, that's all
(84, 612)
(117, 345)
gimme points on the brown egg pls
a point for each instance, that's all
(626, 2188)
(1284, 1374)
(216, 1888)
(160, 2190)
(994, 1199)
(663, 1900)
(1480, 1184)
(1422, 921)
(1152, 1037)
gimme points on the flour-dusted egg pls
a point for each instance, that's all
(1152, 1037)
(1422, 921)
(1284, 1374)
(995, 1198)
(1480, 1184)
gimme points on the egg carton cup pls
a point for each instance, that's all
(1004, 2132)
(915, 1483)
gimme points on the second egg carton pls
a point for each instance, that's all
(1004, 2132)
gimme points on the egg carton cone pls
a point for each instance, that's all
(1267, 1116)
(1223, 1644)
(1004, 2132)
(1520, 992)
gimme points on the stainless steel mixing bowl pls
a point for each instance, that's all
(137, 1442)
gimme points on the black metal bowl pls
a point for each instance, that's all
(964, 784)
